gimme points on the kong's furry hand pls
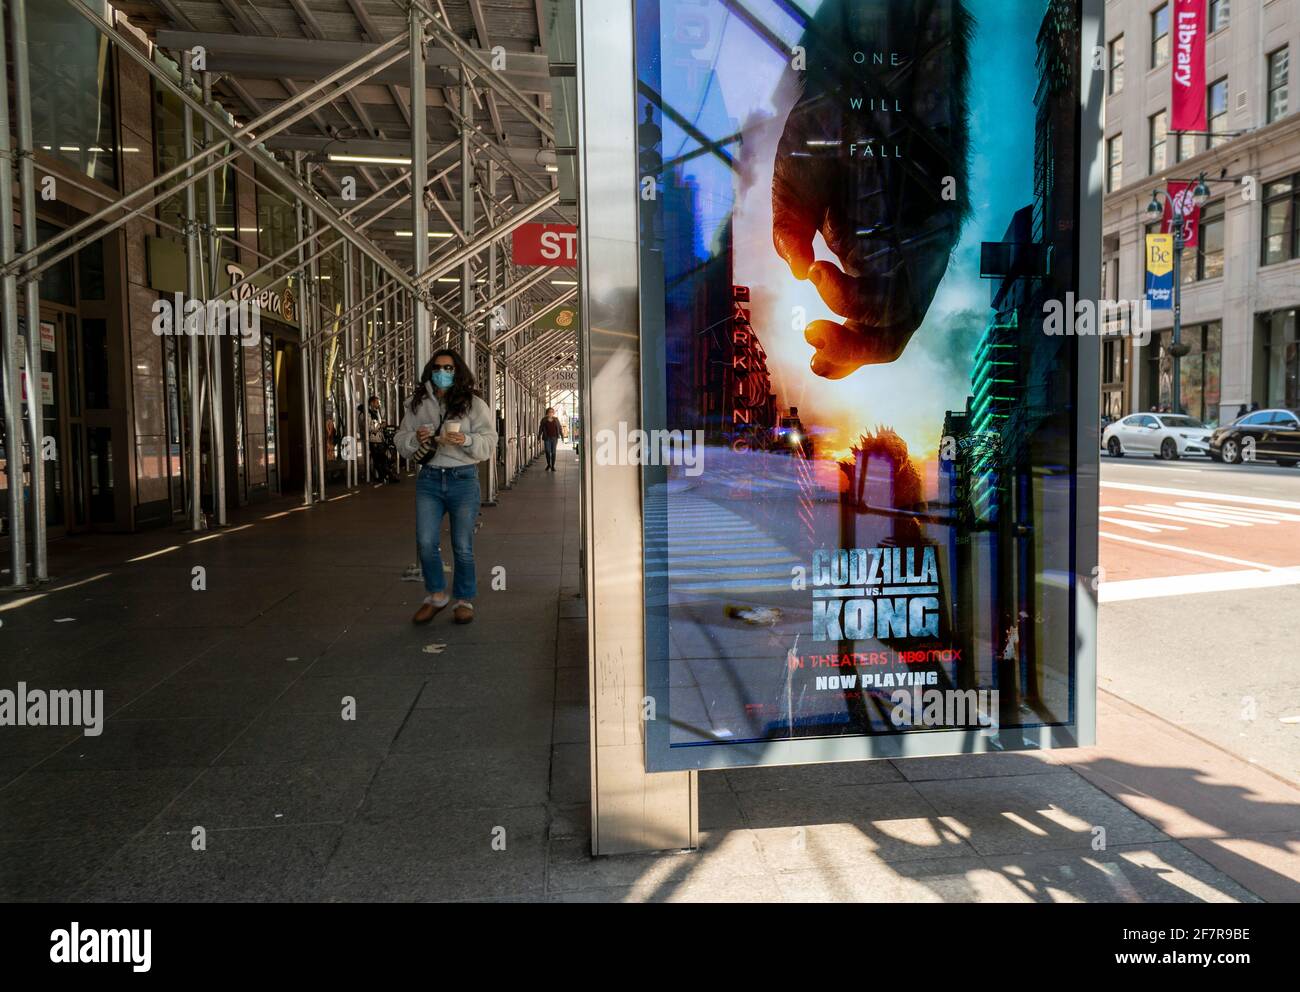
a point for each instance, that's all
(873, 157)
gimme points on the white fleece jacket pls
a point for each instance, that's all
(478, 424)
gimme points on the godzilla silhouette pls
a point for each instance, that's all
(905, 479)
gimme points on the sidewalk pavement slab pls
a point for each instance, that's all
(324, 748)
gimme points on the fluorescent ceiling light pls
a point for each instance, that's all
(432, 234)
(368, 159)
(563, 282)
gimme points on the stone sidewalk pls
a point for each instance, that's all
(464, 775)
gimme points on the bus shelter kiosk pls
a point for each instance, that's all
(841, 462)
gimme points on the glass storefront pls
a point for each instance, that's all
(72, 384)
(169, 148)
(72, 91)
(1113, 379)
(1281, 359)
(1198, 372)
(277, 221)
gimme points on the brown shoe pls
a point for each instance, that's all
(428, 610)
(463, 613)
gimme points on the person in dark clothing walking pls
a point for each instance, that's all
(551, 432)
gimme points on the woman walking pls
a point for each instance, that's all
(552, 433)
(447, 430)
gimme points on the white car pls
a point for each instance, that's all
(1162, 435)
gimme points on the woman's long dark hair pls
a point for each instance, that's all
(461, 394)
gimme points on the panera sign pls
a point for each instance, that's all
(282, 305)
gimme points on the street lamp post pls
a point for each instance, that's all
(1155, 210)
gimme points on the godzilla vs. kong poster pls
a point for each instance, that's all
(858, 523)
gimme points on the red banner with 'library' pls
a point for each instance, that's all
(1188, 72)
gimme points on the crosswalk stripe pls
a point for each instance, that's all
(1182, 513)
(1243, 511)
(1145, 512)
(1144, 527)
(1229, 515)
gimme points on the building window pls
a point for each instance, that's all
(1111, 370)
(1112, 360)
(1279, 72)
(1281, 241)
(1218, 112)
(277, 221)
(1209, 245)
(1205, 261)
(1160, 36)
(71, 67)
(169, 152)
(227, 214)
(167, 148)
(1186, 146)
(1218, 15)
(1114, 163)
(1112, 377)
(1159, 131)
(1115, 82)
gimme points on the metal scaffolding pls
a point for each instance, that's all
(322, 114)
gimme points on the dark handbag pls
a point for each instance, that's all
(429, 447)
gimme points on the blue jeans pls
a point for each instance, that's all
(550, 443)
(454, 492)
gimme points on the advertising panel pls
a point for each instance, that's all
(1160, 271)
(1180, 198)
(1187, 78)
(860, 430)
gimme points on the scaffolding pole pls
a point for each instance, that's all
(419, 182)
(26, 150)
(319, 253)
(489, 331)
(194, 485)
(350, 388)
(217, 347)
(310, 282)
(542, 311)
(231, 136)
(476, 247)
(13, 389)
(304, 353)
(466, 217)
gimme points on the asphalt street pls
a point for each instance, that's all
(1200, 600)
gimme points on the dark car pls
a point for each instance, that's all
(1272, 435)
(791, 435)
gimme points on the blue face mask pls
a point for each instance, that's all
(443, 379)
